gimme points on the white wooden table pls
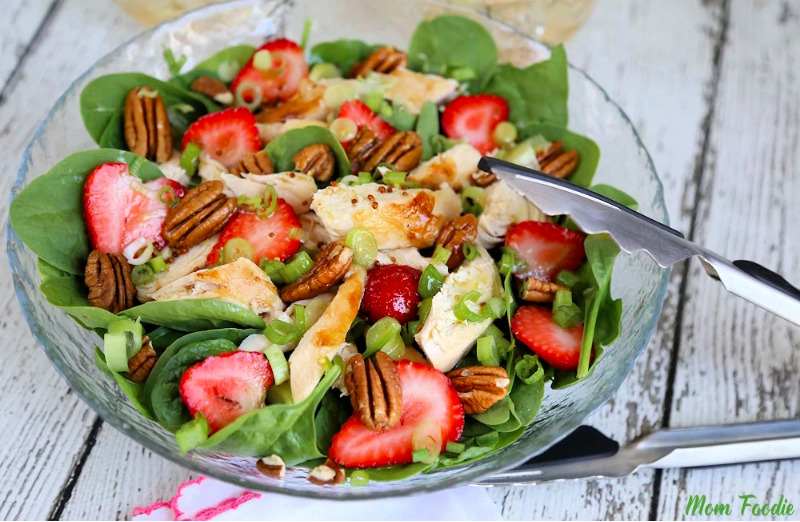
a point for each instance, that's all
(713, 86)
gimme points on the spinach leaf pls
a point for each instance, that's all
(162, 337)
(103, 105)
(535, 94)
(616, 194)
(587, 149)
(343, 53)
(48, 213)
(191, 315)
(399, 118)
(69, 294)
(237, 56)
(165, 398)
(48, 271)
(287, 430)
(392, 473)
(282, 149)
(332, 414)
(133, 390)
(473, 450)
(427, 128)
(562, 379)
(447, 43)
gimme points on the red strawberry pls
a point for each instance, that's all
(558, 347)
(474, 118)
(269, 236)
(362, 116)
(226, 135)
(119, 208)
(226, 386)
(391, 290)
(547, 248)
(281, 81)
(428, 396)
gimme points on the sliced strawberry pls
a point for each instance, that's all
(226, 135)
(362, 116)
(558, 347)
(547, 248)
(119, 208)
(282, 80)
(428, 396)
(226, 386)
(272, 237)
(391, 290)
(473, 118)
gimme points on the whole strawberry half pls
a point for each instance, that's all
(391, 291)
(226, 386)
(364, 117)
(558, 347)
(473, 119)
(226, 135)
(119, 208)
(273, 237)
(428, 397)
(547, 248)
(281, 81)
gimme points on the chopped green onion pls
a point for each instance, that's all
(507, 263)
(494, 308)
(306, 33)
(247, 203)
(115, 348)
(539, 143)
(424, 309)
(278, 364)
(441, 143)
(412, 184)
(190, 157)
(270, 202)
(298, 265)
(380, 334)
(157, 264)
(144, 92)
(567, 278)
(430, 282)
(343, 129)
(522, 154)
(488, 440)
(280, 393)
(410, 329)
(300, 318)
(322, 71)
(174, 65)
(236, 248)
(281, 332)
(336, 95)
(142, 275)
(462, 311)
(167, 196)
(469, 251)
(272, 267)
(349, 181)
(395, 348)
(505, 133)
(385, 111)
(295, 233)
(365, 177)
(427, 438)
(462, 74)
(494, 332)
(472, 196)
(487, 351)
(192, 433)
(227, 71)
(134, 328)
(395, 178)
(363, 245)
(359, 477)
(421, 455)
(356, 330)
(566, 314)
(475, 210)
(262, 60)
(255, 92)
(455, 447)
(374, 100)
(440, 255)
(184, 108)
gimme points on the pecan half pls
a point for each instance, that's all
(272, 466)
(454, 235)
(479, 387)
(201, 213)
(374, 389)
(307, 103)
(361, 148)
(328, 474)
(316, 160)
(556, 148)
(330, 267)
(108, 277)
(147, 129)
(141, 364)
(555, 162)
(401, 149)
(483, 179)
(383, 60)
(258, 163)
(538, 291)
(214, 89)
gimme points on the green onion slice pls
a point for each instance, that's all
(115, 348)
(322, 71)
(255, 92)
(227, 71)
(359, 477)
(469, 251)
(494, 308)
(430, 282)
(455, 447)
(134, 328)
(157, 264)
(374, 100)
(395, 178)
(424, 309)
(270, 202)
(190, 157)
(247, 203)
(567, 278)
(281, 332)
(236, 248)
(193, 433)
(142, 275)
(440, 255)
(365, 177)
(380, 334)
(272, 267)
(298, 265)
(306, 33)
(566, 314)
(300, 318)
(487, 351)
(167, 196)
(463, 313)
(278, 364)
(395, 348)
(363, 245)
(427, 442)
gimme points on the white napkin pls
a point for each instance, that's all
(208, 499)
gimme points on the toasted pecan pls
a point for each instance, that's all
(254, 163)
(328, 474)
(383, 60)
(108, 277)
(401, 149)
(201, 213)
(330, 267)
(454, 235)
(375, 392)
(538, 291)
(361, 148)
(214, 89)
(483, 179)
(141, 364)
(316, 160)
(479, 387)
(147, 128)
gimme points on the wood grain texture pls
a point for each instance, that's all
(738, 363)
(22, 20)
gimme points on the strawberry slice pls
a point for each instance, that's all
(119, 208)
(227, 136)
(362, 116)
(272, 237)
(558, 347)
(473, 118)
(391, 291)
(547, 248)
(281, 81)
(428, 396)
(226, 386)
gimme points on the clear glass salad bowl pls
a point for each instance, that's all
(625, 163)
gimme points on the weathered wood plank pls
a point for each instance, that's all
(45, 425)
(631, 49)
(21, 21)
(738, 363)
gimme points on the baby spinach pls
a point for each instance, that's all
(133, 390)
(287, 430)
(69, 294)
(48, 271)
(398, 118)
(536, 94)
(343, 53)
(162, 337)
(448, 43)
(237, 56)
(562, 379)
(191, 315)
(332, 413)
(587, 149)
(103, 105)
(392, 473)
(616, 194)
(427, 128)
(282, 149)
(48, 213)
(165, 398)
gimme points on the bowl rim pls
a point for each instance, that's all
(340, 494)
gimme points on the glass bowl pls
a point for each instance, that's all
(637, 280)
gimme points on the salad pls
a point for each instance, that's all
(290, 253)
